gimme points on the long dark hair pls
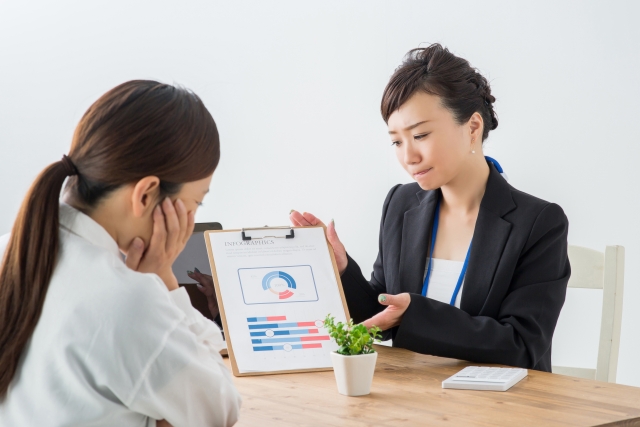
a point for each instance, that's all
(435, 70)
(140, 128)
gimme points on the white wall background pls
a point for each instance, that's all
(295, 89)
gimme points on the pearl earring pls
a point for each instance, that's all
(472, 141)
(473, 151)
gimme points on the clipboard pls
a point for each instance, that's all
(258, 235)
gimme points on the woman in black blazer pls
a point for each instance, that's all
(502, 301)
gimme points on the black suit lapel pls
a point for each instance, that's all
(416, 235)
(489, 238)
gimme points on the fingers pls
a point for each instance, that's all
(179, 224)
(386, 299)
(293, 217)
(172, 223)
(294, 222)
(306, 219)
(303, 219)
(298, 220)
(392, 315)
(159, 236)
(183, 220)
(191, 222)
(338, 248)
(204, 280)
(380, 320)
(332, 235)
(196, 276)
(172, 227)
(401, 301)
(134, 253)
(311, 218)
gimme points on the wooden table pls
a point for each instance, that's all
(407, 391)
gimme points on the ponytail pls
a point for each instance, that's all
(137, 129)
(28, 264)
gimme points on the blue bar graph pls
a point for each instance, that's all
(289, 339)
(286, 339)
(285, 332)
(287, 347)
(266, 319)
(281, 325)
(277, 347)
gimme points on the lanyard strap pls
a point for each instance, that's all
(434, 232)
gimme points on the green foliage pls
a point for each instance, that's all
(352, 339)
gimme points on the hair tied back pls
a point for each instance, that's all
(69, 167)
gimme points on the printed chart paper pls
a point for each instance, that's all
(276, 293)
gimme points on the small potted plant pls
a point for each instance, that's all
(355, 360)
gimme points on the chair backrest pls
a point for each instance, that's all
(596, 270)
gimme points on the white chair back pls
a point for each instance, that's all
(596, 270)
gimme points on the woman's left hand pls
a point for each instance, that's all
(392, 315)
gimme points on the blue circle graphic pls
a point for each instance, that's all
(269, 277)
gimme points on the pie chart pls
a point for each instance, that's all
(280, 283)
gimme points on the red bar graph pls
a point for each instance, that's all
(318, 338)
(306, 323)
(314, 345)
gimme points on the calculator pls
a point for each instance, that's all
(485, 378)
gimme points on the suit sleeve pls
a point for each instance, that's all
(362, 294)
(522, 332)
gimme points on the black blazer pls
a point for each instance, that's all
(514, 287)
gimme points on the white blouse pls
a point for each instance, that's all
(113, 347)
(443, 280)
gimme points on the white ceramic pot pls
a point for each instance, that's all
(354, 374)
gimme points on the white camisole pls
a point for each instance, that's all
(443, 280)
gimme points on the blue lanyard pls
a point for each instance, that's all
(434, 232)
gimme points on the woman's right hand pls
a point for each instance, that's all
(306, 219)
(172, 227)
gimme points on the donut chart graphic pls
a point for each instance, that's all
(271, 283)
(277, 284)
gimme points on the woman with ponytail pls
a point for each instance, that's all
(468, 266)
(85, 337)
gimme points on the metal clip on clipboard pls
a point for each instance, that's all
(286, 236)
